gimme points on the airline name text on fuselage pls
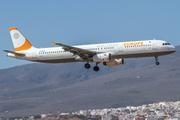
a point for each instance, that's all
(133, 43)
(108, 45)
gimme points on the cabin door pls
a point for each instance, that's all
(34, 55)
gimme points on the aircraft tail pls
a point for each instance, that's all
(19, 41)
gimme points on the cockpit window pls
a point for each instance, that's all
(166, 44)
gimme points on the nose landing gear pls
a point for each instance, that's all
(157, 63)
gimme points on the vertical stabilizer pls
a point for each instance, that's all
(19, 41)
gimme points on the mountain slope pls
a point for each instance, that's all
(44, 88)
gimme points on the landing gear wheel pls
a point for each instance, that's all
(157, 63)
(96, 68)
(156, 57)
(87, 65)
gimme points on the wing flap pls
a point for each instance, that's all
(76, 51)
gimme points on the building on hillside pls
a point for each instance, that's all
(174, 119)
(114, 117)
(43, 115)
(122, 117)
(97, 116)
(64, 114)
(151, 119)
(83, 112)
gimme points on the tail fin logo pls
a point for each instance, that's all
(19, 41)
(16, 36)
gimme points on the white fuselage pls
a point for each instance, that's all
(119, 50)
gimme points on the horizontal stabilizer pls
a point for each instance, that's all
(20, 54)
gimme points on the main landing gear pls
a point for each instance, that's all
(87, 65)
(96, 68)
(156, 57)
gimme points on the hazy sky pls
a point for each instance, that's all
(74, 22)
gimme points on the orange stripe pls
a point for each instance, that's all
(10, 29)
(25, 46)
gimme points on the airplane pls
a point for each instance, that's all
(110, 54)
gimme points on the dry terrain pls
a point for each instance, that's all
(44, 88)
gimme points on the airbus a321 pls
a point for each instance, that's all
(110, 54)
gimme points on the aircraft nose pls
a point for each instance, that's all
(173, 48)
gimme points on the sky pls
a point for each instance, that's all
(76, 22)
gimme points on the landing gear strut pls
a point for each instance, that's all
(87, 65)
(156, 57)
(96, 68)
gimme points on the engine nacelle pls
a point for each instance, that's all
(103, 57)
(115, 62)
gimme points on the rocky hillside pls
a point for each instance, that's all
(44, 88)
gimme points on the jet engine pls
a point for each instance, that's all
(103, 57)
(115, 62)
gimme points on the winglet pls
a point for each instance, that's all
(53, 43)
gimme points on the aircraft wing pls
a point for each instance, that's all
(84, 54)
(16, 53)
